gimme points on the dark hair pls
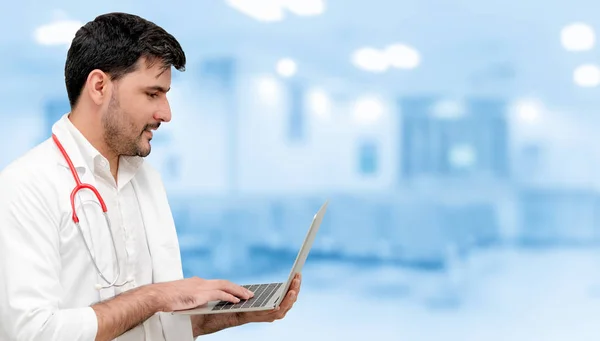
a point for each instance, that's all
(113, 43)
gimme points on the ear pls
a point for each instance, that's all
(98, 86)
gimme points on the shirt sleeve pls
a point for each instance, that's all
(30, 265)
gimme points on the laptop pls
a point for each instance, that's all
(266, 295)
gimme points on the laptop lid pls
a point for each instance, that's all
(306, 246)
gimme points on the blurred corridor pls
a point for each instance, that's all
(456, 142)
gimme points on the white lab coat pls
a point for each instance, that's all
(47, 281)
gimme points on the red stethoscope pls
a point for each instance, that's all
(78, 187)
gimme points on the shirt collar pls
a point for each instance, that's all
(91, 156)
(94, 161)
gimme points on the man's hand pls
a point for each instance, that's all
(125, 311)
(207, 324)
(277, 313)
(193, 292)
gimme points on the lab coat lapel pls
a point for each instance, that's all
(160, 229)
(101, 239)
(95, 230)
(163, 245)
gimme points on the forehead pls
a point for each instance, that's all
(150, 73)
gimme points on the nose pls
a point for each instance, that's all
(163, 114)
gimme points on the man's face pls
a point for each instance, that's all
(138, 105)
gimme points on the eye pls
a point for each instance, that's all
(152, 95)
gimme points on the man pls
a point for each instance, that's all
(67, 271)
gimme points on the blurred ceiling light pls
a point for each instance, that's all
(305, 7)
(577, 37)
(462, 156)
(286, 67)
(319, 103)
(528, 110)
(261, 10)
(268, 89)
(587, 75)
(60, 32)
(448, 109)
(368, 110)
(402, 56)
(370, 59)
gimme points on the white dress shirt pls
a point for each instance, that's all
(127, 227)
(47, 281)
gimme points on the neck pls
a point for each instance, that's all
(89, 129)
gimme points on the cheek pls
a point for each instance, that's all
(130, 116)
(137, 113)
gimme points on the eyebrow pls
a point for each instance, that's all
(158, 88)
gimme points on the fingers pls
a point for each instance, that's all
(286, 304)
(215, 295)
(229, 287)
(296, 283)
(281, 311)
(294, 287)
(292, 295)
(289, 300)
(194, 292)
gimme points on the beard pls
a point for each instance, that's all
(121, 134)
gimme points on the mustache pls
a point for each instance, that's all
(151, 126)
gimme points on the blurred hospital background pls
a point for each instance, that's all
(456, 141)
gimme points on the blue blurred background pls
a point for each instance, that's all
(455, 141)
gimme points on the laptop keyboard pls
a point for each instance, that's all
(262, 295)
